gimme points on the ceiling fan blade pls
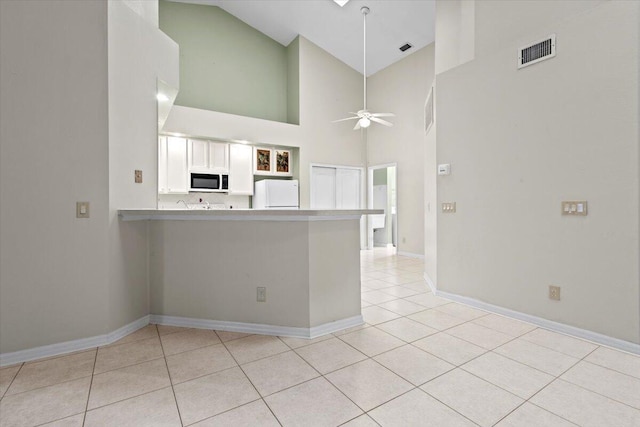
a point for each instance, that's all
(383, 115)
(357, 126)
(348, 118)
(382, 122)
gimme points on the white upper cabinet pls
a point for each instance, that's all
(208, 156)
(172, 166)
(219, 156)
(198, 154)
(240, 170)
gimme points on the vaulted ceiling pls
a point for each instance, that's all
(338, 30)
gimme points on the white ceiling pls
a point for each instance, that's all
(338, 30)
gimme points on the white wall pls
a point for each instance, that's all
(78, 115)
(500, 23)
(329, 89)
(402, 88)
(133, 144)
(53, 151)
(455, 33)
(519, 143)
(147, 9)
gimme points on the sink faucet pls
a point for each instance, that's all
(208, 206)
(185, 203)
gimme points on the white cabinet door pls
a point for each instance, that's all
(162, 164)
(208, 157)
(198, 154)
(177, 175)
(347, 189)
(240, 170)
(219, 156)
(323, 187)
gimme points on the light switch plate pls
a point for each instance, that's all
(82, 209)
(444, 169)
(449, 207)
(138, 176)
(574, 207)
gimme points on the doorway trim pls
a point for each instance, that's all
(370, 170)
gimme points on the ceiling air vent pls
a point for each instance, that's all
(537, 52)
(405, 47)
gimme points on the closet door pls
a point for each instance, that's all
(323, 188)
(347, 189)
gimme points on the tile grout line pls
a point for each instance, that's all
(12, 380)
(547, 385)
(50, 385)
(460, 365)
(132, 364)
(607, 368)
(251, 382)
(526, 364)
(166, 364)
(413, 387)
(610, 368)
(324, 376)
(86, 407)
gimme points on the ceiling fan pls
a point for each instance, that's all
(364, 116)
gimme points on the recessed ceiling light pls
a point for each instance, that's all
(162, 97)
(341, 2)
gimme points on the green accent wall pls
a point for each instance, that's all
(226, 65)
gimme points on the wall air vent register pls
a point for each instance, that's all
(536, 52)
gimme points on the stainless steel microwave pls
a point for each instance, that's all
(208, 182)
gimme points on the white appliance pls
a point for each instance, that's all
(276, 194)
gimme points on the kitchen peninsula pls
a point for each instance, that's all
(206, 267)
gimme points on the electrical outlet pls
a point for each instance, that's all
(82, 209)
(138, 176)
(554, 293)
(262, 294)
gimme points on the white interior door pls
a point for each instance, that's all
(347, 189)
(323, 188)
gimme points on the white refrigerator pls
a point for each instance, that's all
(276, 194)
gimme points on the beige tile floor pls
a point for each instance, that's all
(419, 360)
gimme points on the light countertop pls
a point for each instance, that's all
(245, 214)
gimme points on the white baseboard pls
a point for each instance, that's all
(544, 323)
(71, 346)
(256, 328)
(432, 285)
(410, 255)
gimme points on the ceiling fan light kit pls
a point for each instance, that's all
(363, 116)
